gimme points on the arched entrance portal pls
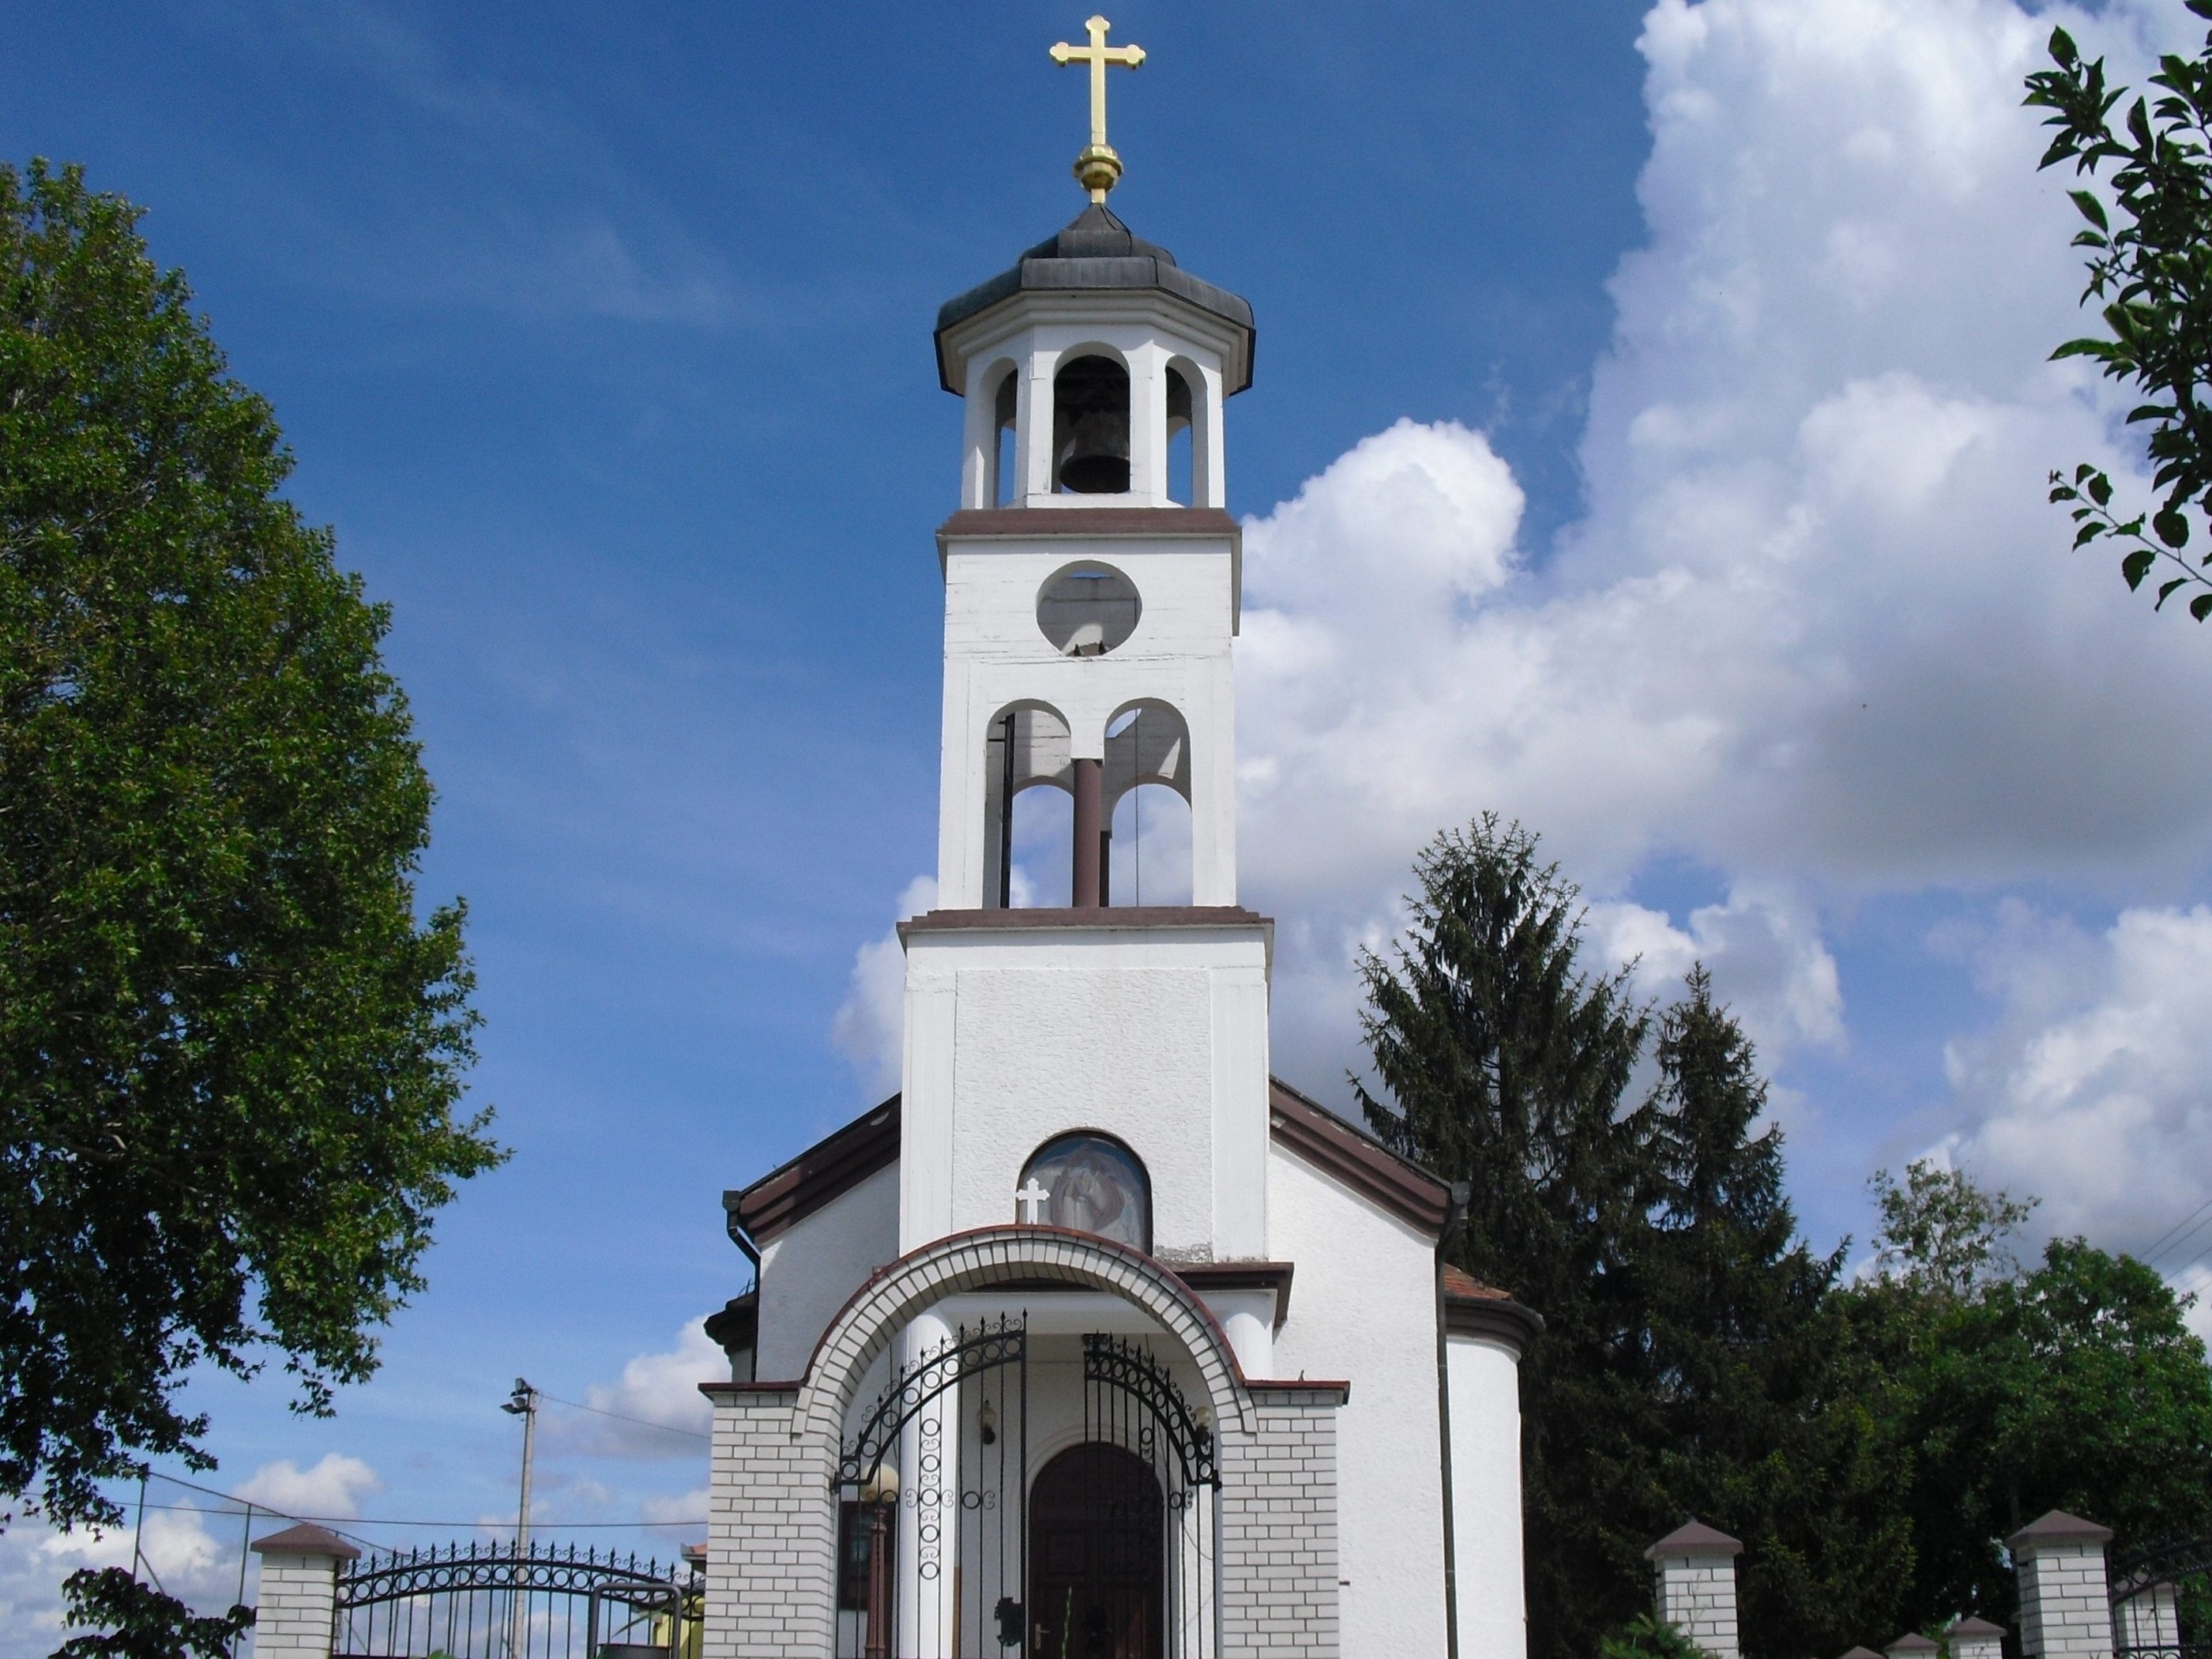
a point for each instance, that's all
(1098, 1556)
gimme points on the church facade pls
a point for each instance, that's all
(1096, 1340)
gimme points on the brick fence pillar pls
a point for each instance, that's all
(2065, 1606)
(1975, 1639)
(295, 1609)
(1693, 1568)
(771, 1528)
(1278, 1500)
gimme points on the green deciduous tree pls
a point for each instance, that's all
(2150, 275)
(2075, 1385)
(231, 1053)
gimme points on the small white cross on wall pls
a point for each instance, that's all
(1031, 1201)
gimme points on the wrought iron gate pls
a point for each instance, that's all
(2162, 1601)
(487, 1602)
(1131, 1404)
(972, 1390)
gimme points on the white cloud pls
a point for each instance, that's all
(1764, 950)
(2089, 1089)
(1820, 633)
(331, 1488)
(658, 1410)
(662, 1507)
(871, 1026)
(198, 1566)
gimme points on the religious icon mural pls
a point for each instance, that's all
(1091, 1184)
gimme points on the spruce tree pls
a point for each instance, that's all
(1745, 1351)
(1506, 1066)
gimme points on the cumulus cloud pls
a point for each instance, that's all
(1818, 636)
(657, 1410)
(2089, 1089)
(331, 1488)
(189, 1561)
(1818, 633)
(869, 1026)
(1765, 954)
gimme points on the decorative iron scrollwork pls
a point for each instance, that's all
(965, 1353)
(1116, 1362)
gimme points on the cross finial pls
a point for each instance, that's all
(1031, 1199)
(1097, 167)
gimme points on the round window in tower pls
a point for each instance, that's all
(1090, 1183)
(1086, 610)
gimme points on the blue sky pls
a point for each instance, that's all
(1647, 441)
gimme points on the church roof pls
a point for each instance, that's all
(1355, 1157)
(1096, 252)
(826, 1170)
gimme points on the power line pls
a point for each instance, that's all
(536, 1524)
(620, 1417)
(2161, 1241)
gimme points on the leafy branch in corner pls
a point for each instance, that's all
(2150, 273)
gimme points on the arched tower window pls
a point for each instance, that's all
(1005, 469)
(1091, 1183)
(1090, 427)
(1146, 857)
(1181, 482)
(1027, 781)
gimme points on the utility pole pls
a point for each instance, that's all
(522, 1403)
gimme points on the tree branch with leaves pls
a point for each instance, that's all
(2150, 275)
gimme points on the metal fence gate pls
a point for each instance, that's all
(486, 1602)
(2162, 1601)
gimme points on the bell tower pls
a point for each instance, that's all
(1092, 581)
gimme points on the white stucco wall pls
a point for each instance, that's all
(1158, 1035)
(807, 1271)
(995, 655)
(1486, 1450)
(1364, 1309)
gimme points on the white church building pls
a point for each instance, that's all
(1096, 1341)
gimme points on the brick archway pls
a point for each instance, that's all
(975, 1262)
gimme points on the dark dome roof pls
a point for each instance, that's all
(1096, 251)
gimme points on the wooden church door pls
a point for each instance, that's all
(1097, 1549)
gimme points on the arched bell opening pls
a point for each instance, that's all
(1027, 808)
(1180, 439)
(1090, 427)
(1005, 470)
(1145, 855)
(1193, 439)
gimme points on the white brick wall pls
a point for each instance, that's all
(771, 1531)
(1278, 1554)
(296, 1606)
(1698, 1593)
(2065, 1612)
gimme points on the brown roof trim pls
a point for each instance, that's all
(1021, 523)
(1109, 915)
(731, 1390)
(826, 1170)
(1207, 1276)
(307, 1539)
(1694, 1537)
(1357, 1159)
(1494, 1317)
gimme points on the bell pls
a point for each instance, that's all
(1095, 460)
(1090, 427)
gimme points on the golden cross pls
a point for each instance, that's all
(1097, 167)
